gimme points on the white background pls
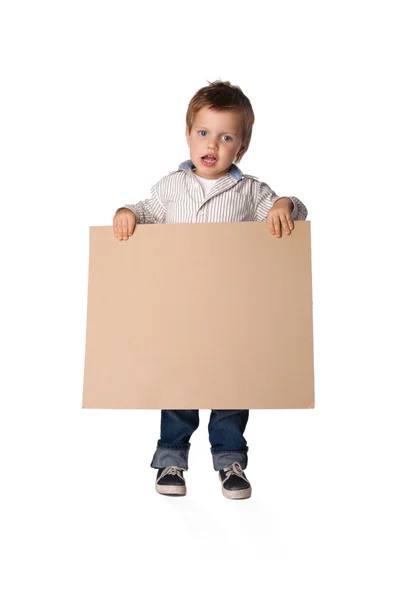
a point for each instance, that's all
(93, 102)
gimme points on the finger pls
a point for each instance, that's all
(131, 226)
(270, 224)
(115, 223)
(120, 222)
(277, 226)
(125, 229)
(285, 224)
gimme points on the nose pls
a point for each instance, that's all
(212, 144)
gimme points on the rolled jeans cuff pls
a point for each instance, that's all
(171, 456)
(222, 460)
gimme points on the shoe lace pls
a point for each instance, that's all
(172, 471)
(234, 469)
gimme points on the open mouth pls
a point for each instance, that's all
(209, 160)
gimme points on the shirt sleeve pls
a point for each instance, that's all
(150, 211)
(267, 198)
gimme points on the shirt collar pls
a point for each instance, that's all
(234, 170)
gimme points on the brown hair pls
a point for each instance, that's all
(222, 95)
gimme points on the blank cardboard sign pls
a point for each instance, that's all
(199, 315)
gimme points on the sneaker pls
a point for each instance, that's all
(170, 482)
(235, 484)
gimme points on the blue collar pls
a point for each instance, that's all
(234, 170)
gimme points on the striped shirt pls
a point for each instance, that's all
(179, 198)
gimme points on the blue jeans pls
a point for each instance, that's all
(225, 428)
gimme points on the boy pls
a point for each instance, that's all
(210, 188)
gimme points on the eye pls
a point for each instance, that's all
(227, 138)
(201, 131)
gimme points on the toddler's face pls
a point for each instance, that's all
(214, 141)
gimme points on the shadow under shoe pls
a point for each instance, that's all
(170, 482)
(235, 484)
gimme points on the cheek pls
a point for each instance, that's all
(233, 150)
(194, 142)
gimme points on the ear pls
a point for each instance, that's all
(243, 149)
(187, 136)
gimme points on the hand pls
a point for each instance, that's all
(124, 223)
(280, 214)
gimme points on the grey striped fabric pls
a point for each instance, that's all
(179, 198)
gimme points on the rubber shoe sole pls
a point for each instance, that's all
(171, 490)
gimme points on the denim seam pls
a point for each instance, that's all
(172, 447)
(229, 451)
